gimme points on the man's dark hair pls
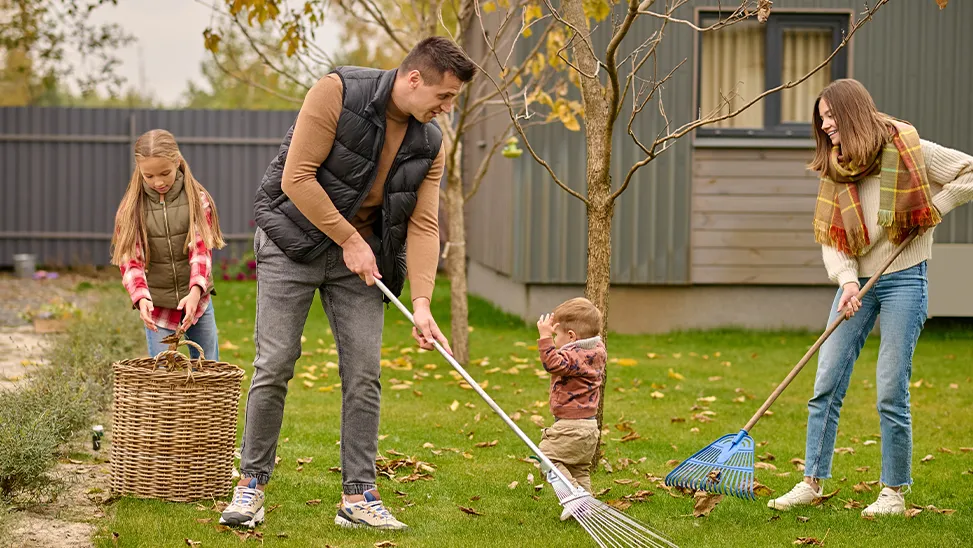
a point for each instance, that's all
(435, 56)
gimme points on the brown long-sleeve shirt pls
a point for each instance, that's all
(311, 143)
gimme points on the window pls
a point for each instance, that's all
(740, 61)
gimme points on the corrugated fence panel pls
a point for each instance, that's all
(64, 171)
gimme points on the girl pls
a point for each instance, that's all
(879, 183)
(165, 230)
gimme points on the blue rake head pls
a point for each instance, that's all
(724, 467)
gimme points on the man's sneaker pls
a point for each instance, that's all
(370, 512)
(247, 507)
(801, 494)
(889, 503)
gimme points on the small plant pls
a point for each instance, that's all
(243, 267)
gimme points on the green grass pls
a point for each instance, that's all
(748, 363)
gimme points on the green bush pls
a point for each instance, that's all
(57, 401)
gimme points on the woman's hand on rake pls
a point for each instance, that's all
(849, 302)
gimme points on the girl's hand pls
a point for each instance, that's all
(189, 303)
(546, 325)
(145, 312)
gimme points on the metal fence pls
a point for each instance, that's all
(63, 172)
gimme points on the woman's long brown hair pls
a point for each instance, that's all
(862, 128)
(129, 220)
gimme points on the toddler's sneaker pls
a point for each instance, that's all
(247, 507)
(889, 503)
(801, 494)
(370, 512)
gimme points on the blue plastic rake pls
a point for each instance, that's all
(726, 466)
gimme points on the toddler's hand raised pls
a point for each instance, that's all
(546, 325)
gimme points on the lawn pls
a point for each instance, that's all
(657, 385)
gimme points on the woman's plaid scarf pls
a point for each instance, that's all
(906, 201)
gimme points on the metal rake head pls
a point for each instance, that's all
(724, 467)
(608, 526)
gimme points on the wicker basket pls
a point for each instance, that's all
(174, 425)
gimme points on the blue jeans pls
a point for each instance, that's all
(901, 299)
(203, 333)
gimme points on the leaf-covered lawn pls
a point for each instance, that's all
(459, 477)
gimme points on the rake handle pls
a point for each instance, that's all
(824, 336)
(473, 384)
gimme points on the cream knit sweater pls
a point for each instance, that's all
(950, 175)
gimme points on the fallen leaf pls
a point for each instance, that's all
(631, 436)
(946, 450)
(862, 469)
(204, 520)
(705, 503)
(708, 399)
(954, 386)
(715, 378)
(844, 450)
(764, 466)
(385, 544)
(625, 481)
(913, 512)
(761, 490)
(513, 485)
(603, 492)
(190, 542)
(487, 443)
(619, 504)
(454, 406)
(966, 449)
(862, 487)
(927, 458)
(672, 462)
(313, 502)
(869, 442)
(677, 419)
(537, 420)
(766, 457)
(853, 505)
(652, 355)
(639, 496)
(227, 345)
(824, 498)
(626, 362)
(676, 376)
(803, 519)
(657, 395)
(808, 541)
(942, 3)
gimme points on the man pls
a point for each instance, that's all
(354, 185)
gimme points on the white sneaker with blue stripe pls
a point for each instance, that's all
(247, 507)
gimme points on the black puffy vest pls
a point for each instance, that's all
(348, 173)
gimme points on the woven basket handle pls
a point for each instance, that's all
(175, 341)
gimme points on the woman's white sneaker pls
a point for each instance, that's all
(800, 495)
(890, 503)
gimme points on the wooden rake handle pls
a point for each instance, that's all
(824, 336)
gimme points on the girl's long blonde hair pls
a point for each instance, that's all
(130, 221)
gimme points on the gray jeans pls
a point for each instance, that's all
(285, 290)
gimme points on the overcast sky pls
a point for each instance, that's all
(170, 42)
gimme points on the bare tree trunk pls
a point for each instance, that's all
(598, 132)
(456, 243)
(456, 266)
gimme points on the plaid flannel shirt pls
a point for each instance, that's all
(200, 266)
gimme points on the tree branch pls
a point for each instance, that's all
(481, 171)
(652, 153)
(256, 85)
